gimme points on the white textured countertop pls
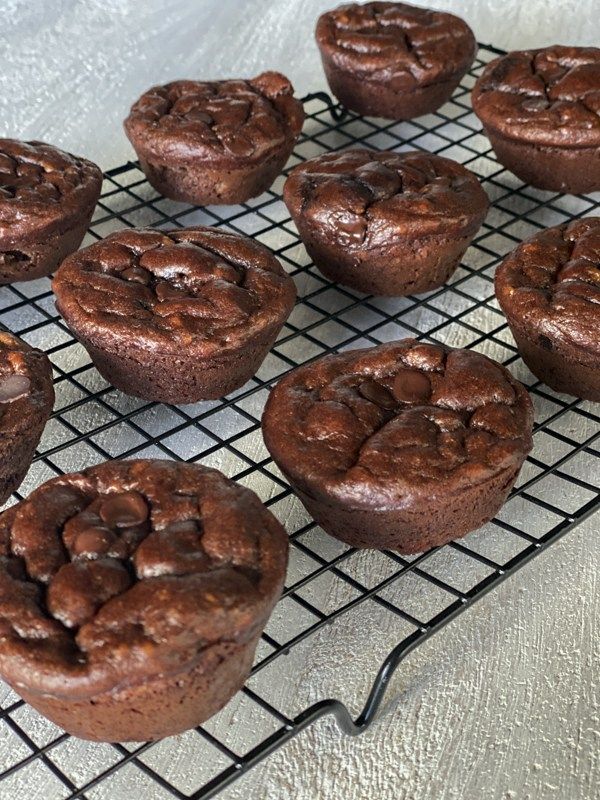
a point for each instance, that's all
(503, 704)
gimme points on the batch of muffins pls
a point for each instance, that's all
(133, 593)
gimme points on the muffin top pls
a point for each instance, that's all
(200, 288)
(26, 389)
(360, 199)
(397, 424)
(240, 121)
(551, 284)
(43, 190)
(131, 569)
(406, 46)
(549, 96)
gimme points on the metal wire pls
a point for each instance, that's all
(93, 422)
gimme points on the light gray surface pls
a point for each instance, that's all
(502, 704)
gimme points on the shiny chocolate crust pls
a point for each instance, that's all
(393, 59)
(47, 198)
(541, 110)
(204, 303)
(119, 582)
(385, 223)
(549, 289)
(26, 401)
(215, 141)
(403, 446)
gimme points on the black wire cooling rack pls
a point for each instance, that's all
(558, 486)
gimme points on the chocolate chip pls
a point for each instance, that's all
(199, 116)
(411, 386)
(238, 145)
(536, 104)
(378, 394)
(12, 387)
(136, 275)
(164, 291)
(92, 542)
(544, 342)
(124, 510)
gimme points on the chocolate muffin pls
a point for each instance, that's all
(549, 289)
(540, 110)
(133, 595)
(209, 142)
(393, 60)
(385, 223)
(26, 401)
(177, 316)
(47, 198)
(402, 446)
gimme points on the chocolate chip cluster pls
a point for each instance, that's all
(197, 283)
(402, 416)
(132, 561)
(416, 43)
(33, 172)
(549, 96)
(551, 282)
(360, 197)
(560, 261)
(241, 119)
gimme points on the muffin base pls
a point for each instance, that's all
(166, 379)
(410, 531)
(203, 186)
(574, 170)
(36, 259)
(159, 707)
(16, 455)
(376, 99)
(404, 269)
(557, 370)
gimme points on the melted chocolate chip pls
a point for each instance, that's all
(93, 542)
(124, 510)
(12, 387)
(164, 291)
(378, 394)
(535, 104)
(136, 275)
(199, 116)
(411, 386)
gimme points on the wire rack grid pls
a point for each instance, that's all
(328, 583)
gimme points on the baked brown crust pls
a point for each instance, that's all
(550, 284)
(131, 570)
(361, 199)
(202, 289)
(403, 45)
(397, 426)
(224, 123)
(549, 96)
(34, 396)
(26, 401)
(43, 190)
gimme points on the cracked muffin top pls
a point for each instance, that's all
(551, 283)
(203, 288)
(240, 121)
(362, 198)
(394, 424)
(131, 569)
(407, 46)
(43, 190)
(26, 389)
(549, 96)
